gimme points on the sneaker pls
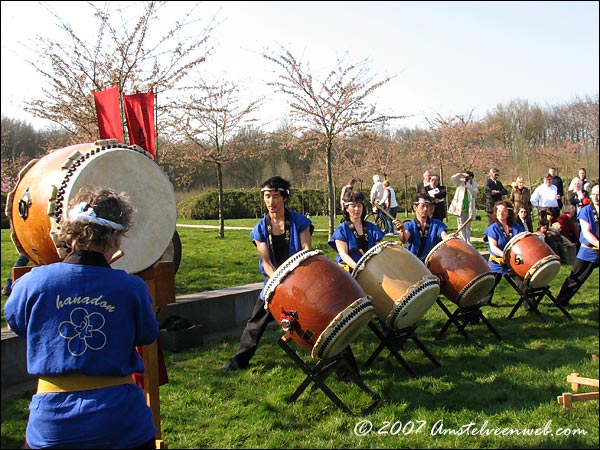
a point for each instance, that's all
(6, 290)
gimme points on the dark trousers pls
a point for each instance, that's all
(255, 328)
(581, 272)
(22, 261)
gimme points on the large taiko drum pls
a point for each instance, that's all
(317, 303)
(465, 276)
(531, 259)
(401, 287)
(39, 202)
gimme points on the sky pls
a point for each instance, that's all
(446, 58)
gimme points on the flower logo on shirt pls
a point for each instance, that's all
(83, 331)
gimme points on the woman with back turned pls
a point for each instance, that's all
(82, 321)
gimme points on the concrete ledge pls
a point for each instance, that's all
(14, 361)
(218, 312)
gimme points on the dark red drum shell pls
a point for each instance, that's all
(317, 289)
(458, 264)
(524, 252)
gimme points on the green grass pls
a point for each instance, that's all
(508, 385)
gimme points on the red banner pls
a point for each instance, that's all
(108, 110)
(139, 114)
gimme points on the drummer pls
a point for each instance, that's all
(587, 256)
(280, 234)
(497, 235)
(424, 232)
(355, 235)
(82, 320)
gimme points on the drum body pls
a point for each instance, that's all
(402, 289)
(465, 276)
(531, 259)
(317, 303)
(39, 202)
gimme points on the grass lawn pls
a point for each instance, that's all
(500, 396)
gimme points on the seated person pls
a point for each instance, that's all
(497, 235)
(553, 236)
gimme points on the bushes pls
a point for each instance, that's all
(247, 203)
(241, 204)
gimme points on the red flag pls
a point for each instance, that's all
(108, 110)
(139, 113)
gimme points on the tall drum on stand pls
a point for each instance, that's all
(465, 276)
(531, 259)
(317, 303)
(39, 202)
(401, 287)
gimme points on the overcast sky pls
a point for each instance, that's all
(447, 57)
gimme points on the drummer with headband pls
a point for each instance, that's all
(424, 232)
(497, 235)
(355, 235)
(280, 234)
(587, 256)
(82, 321)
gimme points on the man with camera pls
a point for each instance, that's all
(464, 203)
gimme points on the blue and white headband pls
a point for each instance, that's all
(86, 214)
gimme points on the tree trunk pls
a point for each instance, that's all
(330, 187)
(220, 188)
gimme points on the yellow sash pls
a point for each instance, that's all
(496, 259)
(79, 382)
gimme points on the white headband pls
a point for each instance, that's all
(286, 191)
(351, 203)
(84, 213)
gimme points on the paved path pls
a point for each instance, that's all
(184, 225)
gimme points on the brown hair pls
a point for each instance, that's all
(107, 204)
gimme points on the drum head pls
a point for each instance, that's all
(476, 290)
(412, 307)
(343, 329)
(543, 272)
(150, 192)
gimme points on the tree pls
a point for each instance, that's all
(210, 119)
(127, 52)
(325, 111)
(460, 143)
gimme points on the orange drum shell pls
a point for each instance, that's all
(317, 289)
(526, 251)
(457, 265)
(31, 235)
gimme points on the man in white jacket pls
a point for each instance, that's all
(377, 191)
(464, 203)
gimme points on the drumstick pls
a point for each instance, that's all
(118, 254)
(462, 226)
(383, 210)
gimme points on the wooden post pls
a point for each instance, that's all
(160, 281)
(567, 398)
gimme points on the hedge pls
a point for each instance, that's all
(242, 204)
